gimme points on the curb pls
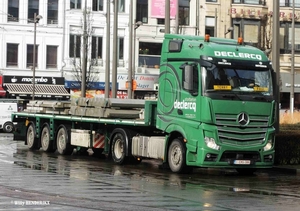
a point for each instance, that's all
(292, 170)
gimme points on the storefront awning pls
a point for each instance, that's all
(40, 90)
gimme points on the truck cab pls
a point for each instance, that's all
(219, 95)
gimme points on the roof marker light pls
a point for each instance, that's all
(240, 40)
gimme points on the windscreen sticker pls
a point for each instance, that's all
(222, 87)
(260, 89)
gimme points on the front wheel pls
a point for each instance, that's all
(63, 141)
(176, 157)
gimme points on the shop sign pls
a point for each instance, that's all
(28, 80)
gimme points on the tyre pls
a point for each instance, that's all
(63, 141)
(46, 142)
(119, 147)
(176, 157)
(31, 140)
(8, 127)
(245, 171)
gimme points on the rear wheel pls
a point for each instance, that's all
(8, 127)
(176, 157)
(118, 147)
(63, 141)
(32, 141)
(46, 142)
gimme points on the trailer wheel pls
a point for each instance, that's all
(8, 127)
(176, 157)
(63, 141)
(31, 140)
(46, 142)
(118, 147)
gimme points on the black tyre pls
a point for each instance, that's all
(246, 171)
(63, 141)
(8, 127)
(119, 147)
(176, 157)
(46, 142)
(31, 139)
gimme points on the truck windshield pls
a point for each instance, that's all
(237, 81)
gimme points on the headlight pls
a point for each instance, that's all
(211, 143)
(269, 145)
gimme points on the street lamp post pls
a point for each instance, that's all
(136, 25)
(35, 21)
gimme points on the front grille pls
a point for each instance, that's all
(231, 133)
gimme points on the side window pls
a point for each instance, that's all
(190, 78)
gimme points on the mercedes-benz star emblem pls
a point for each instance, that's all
(243, 119)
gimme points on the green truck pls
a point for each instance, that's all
(216, 108)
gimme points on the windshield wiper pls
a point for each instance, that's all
(231, 96)
(259, 98)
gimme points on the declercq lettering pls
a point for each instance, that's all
(185, 105)
(238, 55)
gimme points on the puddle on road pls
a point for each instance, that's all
(96, 170)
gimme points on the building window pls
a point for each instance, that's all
(33, 7)
(160, 21)
(259, 2)
(12, 54)
(52, 11)
(289, 3)
(121, 52)
(96, 47)
(249, 30)
(75, 4)
(142, 11)
(184, 12)
(97, 5)
(121, 48)
(30, 56)
(210, 26)
(13, 10)
(51, 60)
(121, 6)
(75, 46)
(211, 0)
(285, 36)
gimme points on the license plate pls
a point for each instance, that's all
(242, 162)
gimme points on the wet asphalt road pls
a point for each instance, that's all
(34, 180)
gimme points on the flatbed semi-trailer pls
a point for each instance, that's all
(215, 108)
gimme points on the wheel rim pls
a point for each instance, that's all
(62, 141)
(45, 139)
(30, 137)
(118, 149)
(8, 128)
(176, 156)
